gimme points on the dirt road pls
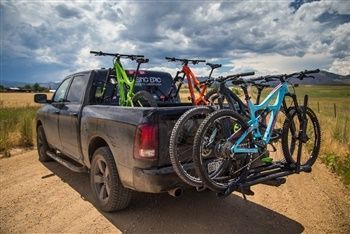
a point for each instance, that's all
(47, 197)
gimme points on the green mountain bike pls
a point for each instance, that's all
(125, 84)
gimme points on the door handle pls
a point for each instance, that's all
(57, 112)
(74, 114)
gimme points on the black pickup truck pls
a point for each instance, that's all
(124, 149)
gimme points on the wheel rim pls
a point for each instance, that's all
(217, 132)
(101, 180)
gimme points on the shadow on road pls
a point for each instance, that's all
(193, 212)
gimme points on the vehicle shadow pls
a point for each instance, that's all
(193, 212)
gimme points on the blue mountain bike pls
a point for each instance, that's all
(238, 143)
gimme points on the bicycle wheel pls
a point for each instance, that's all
(181, 144)
(212, 158)
(290, 137)
(226, 99)
(144, 99)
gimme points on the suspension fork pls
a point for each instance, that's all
(190, 79)
(302, 132)
(180, 84)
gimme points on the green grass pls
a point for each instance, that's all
(338, 166)
(16, 128)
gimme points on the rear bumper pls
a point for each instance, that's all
(156, 180)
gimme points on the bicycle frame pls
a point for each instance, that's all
(193, 82)
(125, 85)
(278, 93)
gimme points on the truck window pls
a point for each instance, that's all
(61, 91)
(77, 89)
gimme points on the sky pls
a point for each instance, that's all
(44, 41)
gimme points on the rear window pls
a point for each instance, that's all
(157, 83)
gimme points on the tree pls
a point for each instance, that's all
(28, 86)
(2, 88)
(36, 87)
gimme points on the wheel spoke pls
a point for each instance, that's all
(100, 166)
(106, 172)
(98, 179)
(108, 190)
(102, 193)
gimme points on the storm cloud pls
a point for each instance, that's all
(267, 37)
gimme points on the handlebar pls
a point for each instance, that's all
(129, 56)
(185, 61)
(283, 77)
(221, 79)
(301, 74)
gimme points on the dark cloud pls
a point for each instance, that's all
(66, 12)
(333, 19)
(212, 30)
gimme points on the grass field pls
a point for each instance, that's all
(17, 114)
(331, 104)
(19, 100)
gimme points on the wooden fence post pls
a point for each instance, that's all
(318, 107)
(335, 110)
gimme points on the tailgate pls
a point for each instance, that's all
(166, 121)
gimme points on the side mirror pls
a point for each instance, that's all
(40, 98)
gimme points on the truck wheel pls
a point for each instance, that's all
(106, 186)
(42, 145)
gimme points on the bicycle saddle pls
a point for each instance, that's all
(142, 60)
(213, 65)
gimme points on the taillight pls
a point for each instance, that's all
(146, 142)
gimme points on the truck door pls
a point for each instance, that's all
(52, 114)
(69, 118)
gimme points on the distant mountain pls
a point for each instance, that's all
(325, 78)
(13, 84)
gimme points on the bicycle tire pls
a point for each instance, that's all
(177, 150)
(199, 164)
(292, 121)
(217, 99)
(211, 96)
(144, 99)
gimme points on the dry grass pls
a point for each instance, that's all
(19, 100)
(17, 114)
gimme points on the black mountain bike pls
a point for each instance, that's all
(236, 142)
(183, 133)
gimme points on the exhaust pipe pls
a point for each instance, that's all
(176, 192)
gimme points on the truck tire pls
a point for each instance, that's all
(42, 145)
(144, 99)
(106, 186)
